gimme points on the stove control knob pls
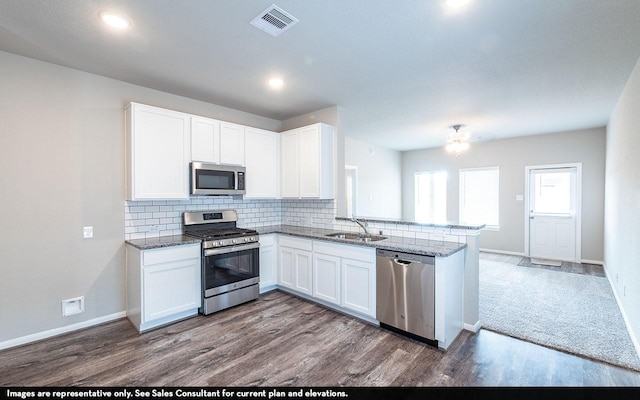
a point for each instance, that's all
(220, 243)
(234, 241)
(246, 240)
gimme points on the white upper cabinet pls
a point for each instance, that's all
(157, 153)
(262, 160)
(308, 162)
(231, 143)
(289, 164)
(216, 141)
(205, 140)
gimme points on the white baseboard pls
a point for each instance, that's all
(595, 262)
(472, 328)
(634, 338)
(59, 331)
(510, 253)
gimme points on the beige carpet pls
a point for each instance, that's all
(570, 312)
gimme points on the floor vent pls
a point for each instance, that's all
(274, 20)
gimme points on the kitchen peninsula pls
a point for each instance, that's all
(454, 247)
(443, 232)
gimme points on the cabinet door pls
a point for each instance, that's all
(205, 140)
(309, 161)
(231, 143)
(159, 150)
(289, 164)
(326, 277)
(358, 286)
(286, 267)
(170, 288)
(268, 261)
(303, 272)
(262, 159)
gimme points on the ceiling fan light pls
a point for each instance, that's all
(457, 141)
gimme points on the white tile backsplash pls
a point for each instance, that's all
(147, 219)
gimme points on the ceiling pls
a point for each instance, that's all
(401, 72)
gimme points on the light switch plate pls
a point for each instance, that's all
(87, 232)
(519, 197)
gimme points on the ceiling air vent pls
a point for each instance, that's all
(274, 20)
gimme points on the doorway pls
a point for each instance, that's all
(553, 212)
(351, 190)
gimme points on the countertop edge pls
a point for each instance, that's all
(407, 245)
(162, 241)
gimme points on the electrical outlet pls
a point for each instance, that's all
(624, 291)
(87, 232)
(154, 228)
(616, 277)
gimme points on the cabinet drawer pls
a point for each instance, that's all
(354, 252)
(268, 240)
(170, 254)
(294, 242)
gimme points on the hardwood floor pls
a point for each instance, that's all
(281, 340)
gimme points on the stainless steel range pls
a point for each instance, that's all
(230, 259)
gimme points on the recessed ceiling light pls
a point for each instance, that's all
(276, 83)
(455, 5)
(115, 20)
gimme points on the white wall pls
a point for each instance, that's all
(379, 191)
(512, 155)
(62, 168)
(622, 203)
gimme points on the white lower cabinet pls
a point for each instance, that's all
(326, 277)
(163, 285)
(345, 275)
(294, 266)
(359, 286)
(268, 262)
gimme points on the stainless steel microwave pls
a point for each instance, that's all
(216, 179)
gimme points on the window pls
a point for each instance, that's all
(553, 192)
(431, 196)
(479, 196)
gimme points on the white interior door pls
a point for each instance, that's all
(553, 218)
(351, 189)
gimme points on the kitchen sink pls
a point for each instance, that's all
(360, 237)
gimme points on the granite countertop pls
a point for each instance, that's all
(162, 241)
(424, 247)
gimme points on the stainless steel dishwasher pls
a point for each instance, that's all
(405, 299)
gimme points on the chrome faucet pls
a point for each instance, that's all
(362, 224)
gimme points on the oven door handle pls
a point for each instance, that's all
(231, 249)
